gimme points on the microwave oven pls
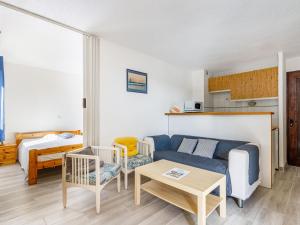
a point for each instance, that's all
(193, 106)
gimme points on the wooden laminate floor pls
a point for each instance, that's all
(41, 204)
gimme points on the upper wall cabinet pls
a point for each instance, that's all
(257, 84)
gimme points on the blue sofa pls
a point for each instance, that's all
(238, 160)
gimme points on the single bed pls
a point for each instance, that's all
(40, 150)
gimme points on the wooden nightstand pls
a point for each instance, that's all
(8, 154)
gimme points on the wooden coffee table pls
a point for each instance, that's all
(190, 193)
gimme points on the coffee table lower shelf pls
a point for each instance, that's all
(181, 199)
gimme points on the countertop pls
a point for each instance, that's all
(218, 113)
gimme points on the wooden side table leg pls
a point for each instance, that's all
(223, 196)
(201, 210)
(137, 188)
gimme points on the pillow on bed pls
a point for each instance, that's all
(66, 135)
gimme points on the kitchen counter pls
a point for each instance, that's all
(218, 113)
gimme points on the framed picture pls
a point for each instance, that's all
(137, 81)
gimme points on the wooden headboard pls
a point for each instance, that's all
(39, 134)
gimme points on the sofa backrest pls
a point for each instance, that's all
(162, 142)
(222, 148)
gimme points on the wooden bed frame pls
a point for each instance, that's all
(34, 164)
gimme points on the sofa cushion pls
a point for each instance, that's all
(215, 165)
(224, 146)
(187, 145)
(176, 140)
(206, 148)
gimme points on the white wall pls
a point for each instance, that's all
(293, 64)
(38, 99)
(43, 74)
(199, 87)
(124, 113)
(271, 61)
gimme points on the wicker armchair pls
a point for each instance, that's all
(91, 168)
(134, 153)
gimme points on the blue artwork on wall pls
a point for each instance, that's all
(2, 133)
(137, 81)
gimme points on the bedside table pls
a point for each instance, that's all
(8, 154)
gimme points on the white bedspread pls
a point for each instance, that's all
(49, 141)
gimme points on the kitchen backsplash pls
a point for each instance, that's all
(221, 103)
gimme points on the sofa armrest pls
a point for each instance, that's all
(239, 169)
(239, 172)
(150, 142)
(159, 142)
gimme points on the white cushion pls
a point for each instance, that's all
(206, 148)
(187, 145)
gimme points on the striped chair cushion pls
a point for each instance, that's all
(137, 160)
(107, 172)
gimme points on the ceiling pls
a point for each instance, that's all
(212, 34)
(32, 42)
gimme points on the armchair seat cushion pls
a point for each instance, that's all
(107, 172)
(137, 160)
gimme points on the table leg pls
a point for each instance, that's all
(223, 196)
(201, 210)
(137, 188)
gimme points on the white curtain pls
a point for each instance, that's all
(91, 124)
